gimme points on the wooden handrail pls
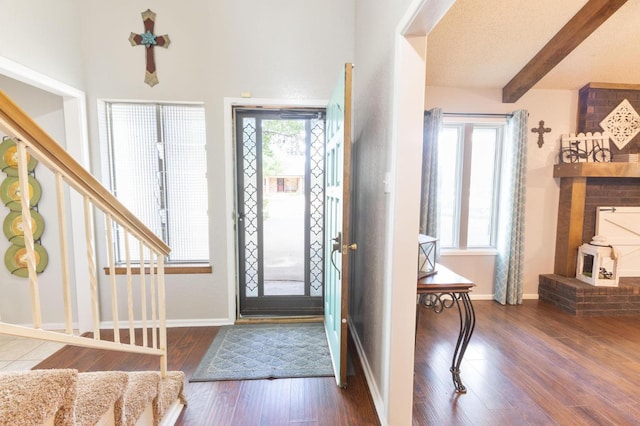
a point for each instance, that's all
(31, 139)
(16, 123)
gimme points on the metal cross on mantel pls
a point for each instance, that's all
(149, 40)
(541, 130)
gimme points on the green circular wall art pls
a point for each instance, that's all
(15, 258)
(10, 192)
(13, 227)
(9, 158)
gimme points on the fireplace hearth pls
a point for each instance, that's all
(580, 299)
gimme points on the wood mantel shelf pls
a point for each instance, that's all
(573, 185)
(570, 170)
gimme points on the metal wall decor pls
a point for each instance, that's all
(149, 40)
(585, 147)
(15, 257)
(541, 130)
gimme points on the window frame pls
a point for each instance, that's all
(108, 146)
(460, 232)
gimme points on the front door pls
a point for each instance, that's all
(337, 202)
(280, 211)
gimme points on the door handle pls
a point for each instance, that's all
(337, 242)
(336, 247)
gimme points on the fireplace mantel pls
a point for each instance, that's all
(573, 185)
(572, 170)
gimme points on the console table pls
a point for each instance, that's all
(444, 290)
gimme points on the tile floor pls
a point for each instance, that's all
(17, 353)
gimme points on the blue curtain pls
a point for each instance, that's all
(509, 262)
(429, 212)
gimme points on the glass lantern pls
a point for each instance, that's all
(597, 263)
(426, 255)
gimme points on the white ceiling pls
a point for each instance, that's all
(485, 43)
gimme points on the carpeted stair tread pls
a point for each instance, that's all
(97, 392)
(171, 389)
(32, 397)
(141, 391)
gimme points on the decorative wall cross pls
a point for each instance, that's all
(149, 40)
(541, 130)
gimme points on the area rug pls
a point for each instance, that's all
(266, 351)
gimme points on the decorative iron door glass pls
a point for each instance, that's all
(280, 211)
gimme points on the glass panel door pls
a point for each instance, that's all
(280, 211)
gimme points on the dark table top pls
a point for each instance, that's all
(444, 281)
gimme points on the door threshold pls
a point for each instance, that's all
(279, 320)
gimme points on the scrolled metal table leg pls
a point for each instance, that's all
(467, 324)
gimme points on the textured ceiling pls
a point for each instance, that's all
(486, 43)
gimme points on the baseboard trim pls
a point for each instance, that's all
(490, 296)
(368, 374)
(213, 322)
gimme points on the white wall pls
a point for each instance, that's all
(389, 74)
(278, 49)
(43, 36)
(558, 110)
(46, 110)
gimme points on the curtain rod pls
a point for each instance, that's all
(474, 114)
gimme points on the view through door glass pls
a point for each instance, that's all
(283, 171)
(280, 210)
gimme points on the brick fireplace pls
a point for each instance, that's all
(583, 187)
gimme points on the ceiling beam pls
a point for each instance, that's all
(585, 22)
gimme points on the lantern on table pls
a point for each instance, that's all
(426, 255)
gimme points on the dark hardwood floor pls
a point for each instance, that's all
(527, 364)
(309, 401)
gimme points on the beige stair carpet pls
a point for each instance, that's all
(171, 389)
(97, 393)
(141, 391)
(33, 397)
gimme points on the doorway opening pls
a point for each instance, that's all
(280, 183)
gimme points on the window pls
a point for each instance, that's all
(469, 159)
(157, 169)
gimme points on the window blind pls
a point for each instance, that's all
(158, 170)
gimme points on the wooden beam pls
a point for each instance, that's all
(585, 22)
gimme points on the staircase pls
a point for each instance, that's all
(67, 397)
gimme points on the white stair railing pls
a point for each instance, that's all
(31, 140)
